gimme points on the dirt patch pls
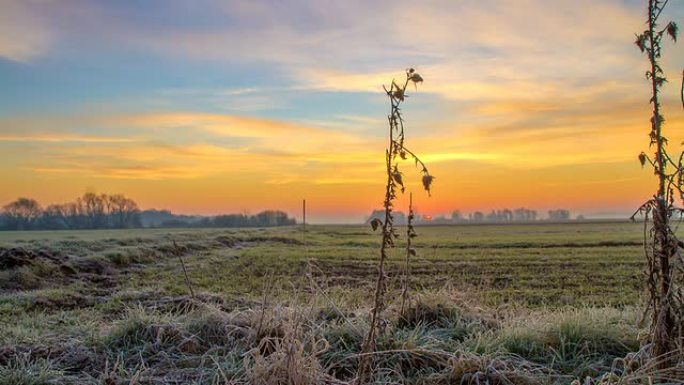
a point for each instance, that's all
(275, 239)
(74, 358)
(15, 257)
(93, 266)
(155, 300)
(227, 241)
(67, 301)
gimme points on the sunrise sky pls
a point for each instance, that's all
(219, 106)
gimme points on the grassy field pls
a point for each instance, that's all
(537, 303)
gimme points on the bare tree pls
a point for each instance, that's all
(22, 213)
(122, 211)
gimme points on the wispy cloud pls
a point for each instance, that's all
(24, 34)
(66, 138)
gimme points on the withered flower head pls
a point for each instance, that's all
(427, 182)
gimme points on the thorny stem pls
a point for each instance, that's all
(656, 103)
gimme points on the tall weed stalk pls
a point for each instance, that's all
(665, 272)
(396, 150)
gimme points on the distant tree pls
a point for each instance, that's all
(123, 212)
(21, 214)
(73, 215)
(273, 218)
(478, 216)
(94, 207)
(524, 215)
(54, 218)
(559, 215)
(456, 216)
(504, 215)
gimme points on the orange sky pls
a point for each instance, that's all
(246, 107)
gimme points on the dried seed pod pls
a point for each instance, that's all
(427, 182)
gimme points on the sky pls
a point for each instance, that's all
(218, 106)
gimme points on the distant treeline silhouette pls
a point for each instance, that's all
(102, 211)
(267, 218)
(494, 216)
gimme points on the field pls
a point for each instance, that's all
(533, 303)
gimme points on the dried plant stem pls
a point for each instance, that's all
(396, 137)
(665, 293)
(681, 91)
(185, 271)
(366, 362)
(410, 251)
(264, 305)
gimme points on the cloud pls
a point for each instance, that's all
(63, 138)
(23, 34)
(176, 145)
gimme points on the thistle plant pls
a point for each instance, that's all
(665, 271)
(396, 151)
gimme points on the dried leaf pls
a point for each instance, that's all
(641, 42)
(399, 94)
(412, 251)
(375, 222)
(398, 178)
(642, 159)
(427, 182)
(672, 30)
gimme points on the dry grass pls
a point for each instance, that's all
(286, 332)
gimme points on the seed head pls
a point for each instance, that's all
(416, 78)
(427, 182)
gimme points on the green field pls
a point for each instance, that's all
(548, 301)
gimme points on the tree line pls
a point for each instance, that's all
(103, 211)
(90, 211)
(494, 216)
(268, 218)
